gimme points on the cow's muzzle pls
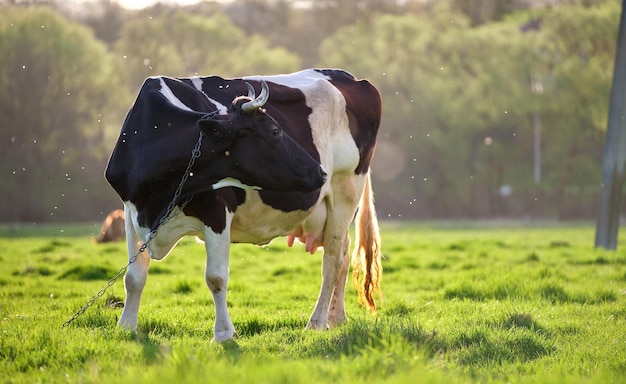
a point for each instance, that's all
(323, 175)
(319, 178)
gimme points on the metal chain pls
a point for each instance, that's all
(172, 210)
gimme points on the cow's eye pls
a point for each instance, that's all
(275, 131)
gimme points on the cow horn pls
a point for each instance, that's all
(251, 93)
(259, 101)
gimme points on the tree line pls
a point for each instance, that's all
(490, 108)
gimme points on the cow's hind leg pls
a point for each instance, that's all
(134, 280)
(216, 275)
(337, 311)
(340, 208)
(332, 263)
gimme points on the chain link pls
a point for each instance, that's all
(171, 211)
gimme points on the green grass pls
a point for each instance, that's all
(463, 304)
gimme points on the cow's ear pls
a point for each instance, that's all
(209, 127)
(215, 129)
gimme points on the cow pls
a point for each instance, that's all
(113, 228)
(293, 162)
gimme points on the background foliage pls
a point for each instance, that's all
(463, 84)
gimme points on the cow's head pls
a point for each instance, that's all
(256, 149)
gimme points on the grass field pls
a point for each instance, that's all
(463, 303)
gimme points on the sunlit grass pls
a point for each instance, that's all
(461, 304)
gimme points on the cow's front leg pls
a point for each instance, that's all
(216, 275)
(134, 280)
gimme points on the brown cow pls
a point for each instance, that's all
(113, 227)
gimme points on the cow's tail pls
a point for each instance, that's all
(367, 270)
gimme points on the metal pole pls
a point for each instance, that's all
(615, 149)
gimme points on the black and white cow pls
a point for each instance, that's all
(258, 177)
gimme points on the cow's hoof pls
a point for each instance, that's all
(224, 336)
(334, 321)
(317, 325)
(127, 324)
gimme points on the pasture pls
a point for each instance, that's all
(463, 303)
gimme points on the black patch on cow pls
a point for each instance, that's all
(289, 201)
(210, 207)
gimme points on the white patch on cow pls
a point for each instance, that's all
(258, 223)
(299, 80)
(336, 144)
(232, 182)
(197, 82)
(221, 108)
(169, 95)
(168, 235)
(217, 247)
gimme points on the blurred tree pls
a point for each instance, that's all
(179, 44)
(457, 135)
(579, 45)
(106, 18)
(271, 19)
(441, 102)
(301, 28)
(460, 95)
(482, 11)
(57, 83)
(489, 108)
